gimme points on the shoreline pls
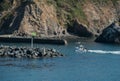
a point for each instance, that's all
(45, 40)
(53, 40)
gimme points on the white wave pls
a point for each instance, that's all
(104, 52)
(97, 51)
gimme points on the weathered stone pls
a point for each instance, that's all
(111, 34)
(40, 54)
(16, 49)
(18, 52)
(28, 52)
(79, 29)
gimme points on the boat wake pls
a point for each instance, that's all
(104, 52)
(84, 50)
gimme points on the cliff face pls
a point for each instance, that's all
(54, 17)
(30, 16)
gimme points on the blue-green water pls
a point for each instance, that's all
(74, 66)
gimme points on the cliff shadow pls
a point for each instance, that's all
(78, 29)
(11, 22)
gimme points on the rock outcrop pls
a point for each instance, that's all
(53, 17)
(79, 30)
(30, 16)
(111, 34)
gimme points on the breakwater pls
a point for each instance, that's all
(35, 40)
(19, 52)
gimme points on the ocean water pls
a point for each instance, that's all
(100, 63)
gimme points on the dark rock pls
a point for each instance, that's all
(28, 52)
(111, 34)
(40, 54)
(17, 52)
(79, 29)
(16, 49)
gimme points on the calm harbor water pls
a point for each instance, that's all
(100, 63)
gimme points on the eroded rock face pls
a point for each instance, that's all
(31, 17)
(79, 29)
(111, 34)
(99, 15)
(50, 17)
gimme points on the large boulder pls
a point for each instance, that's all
(111, 34)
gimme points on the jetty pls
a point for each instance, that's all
(56, 41)
(25, 52)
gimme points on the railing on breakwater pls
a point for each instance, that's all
(35, 40)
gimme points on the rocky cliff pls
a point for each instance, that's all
(84, 18)
(111, 34)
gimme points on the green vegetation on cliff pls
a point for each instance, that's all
(73, 9)
(93, 15)
(69, 10)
